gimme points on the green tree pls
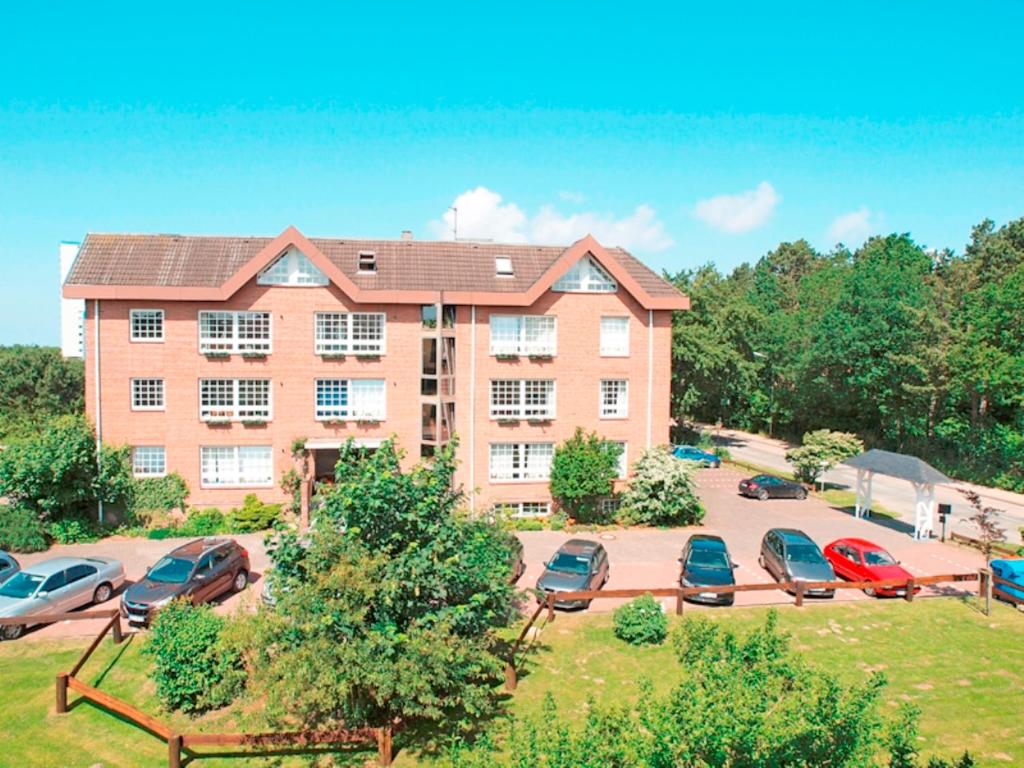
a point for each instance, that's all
(821, 450)
(387, 608)
(661, 492)
(582, 472)
(36, 384)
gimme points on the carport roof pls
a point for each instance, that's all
(898, 465)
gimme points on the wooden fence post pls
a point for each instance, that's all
(985, 588)
(679, 602)
(551, 606)
(174, 750)
(62, 693)
(909, 596)
(118, 634)
(384, 755)
(799, 594)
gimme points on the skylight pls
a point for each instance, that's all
(503, 266)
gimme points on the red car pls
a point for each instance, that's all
(862, 560)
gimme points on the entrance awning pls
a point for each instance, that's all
(335, 443)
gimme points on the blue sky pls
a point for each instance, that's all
(688, 135)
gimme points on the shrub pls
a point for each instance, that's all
(254, 515)
(660, 492)
(822, 449)
(21, 530)
(154, 497)
(74, 530)
(582, 471)
(204, 522)
(194, 669)
(641, 622)
(291, 483)
(527, 524)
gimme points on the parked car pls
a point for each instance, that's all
(58, 585)
(1012, 571)
(790, 555)
(861, 560)
(766, 487)
(706, 563)
(200, 570)
(578, 565)
(698, 455)
(8, 566)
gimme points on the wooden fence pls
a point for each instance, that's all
(183, 745)
(798, 589)
(1002, 547)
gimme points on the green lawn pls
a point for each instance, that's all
(963, 669)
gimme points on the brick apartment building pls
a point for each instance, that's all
(211, 356)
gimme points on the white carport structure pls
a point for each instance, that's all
(922, 475)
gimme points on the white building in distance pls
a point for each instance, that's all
(72, 311)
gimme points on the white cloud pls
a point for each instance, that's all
(741, 212)
(484, 214)
(851, 228)
(572, 197)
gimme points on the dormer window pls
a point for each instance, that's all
(503, 266)
(292, 268)
(367, 261)
(586, 276)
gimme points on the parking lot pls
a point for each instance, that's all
(641, 557)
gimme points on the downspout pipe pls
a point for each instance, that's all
(99, 401)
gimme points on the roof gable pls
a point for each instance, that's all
(292, 268)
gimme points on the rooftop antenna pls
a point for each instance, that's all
(455, 222)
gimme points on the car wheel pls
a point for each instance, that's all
(103, 593)
(801, 494)
(870, 592)
(241, 581)
(761, 562)
(762, 495)
(12, 631)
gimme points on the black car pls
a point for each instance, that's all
(201, 570)
(706, 563)
(766, 487)
(578, 565)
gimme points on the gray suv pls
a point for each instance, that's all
(200, 570)
(578, 565)
(790, 555)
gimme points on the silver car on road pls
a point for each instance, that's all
(58, 585)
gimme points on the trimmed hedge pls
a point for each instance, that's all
(21, 530)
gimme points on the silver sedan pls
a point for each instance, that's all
(57, 586)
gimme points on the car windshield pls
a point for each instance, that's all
(21, 585)
(566, 563)
(878, 557)
(803, 553)
(708, 558)
(171, 570)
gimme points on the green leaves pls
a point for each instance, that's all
(822, 449)
(582, 472)
(660, 492)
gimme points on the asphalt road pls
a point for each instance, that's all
(895, 495)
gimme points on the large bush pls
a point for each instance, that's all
(660, 492)
(254, 515)
(194, 669)
(153, 497)
(641, 622)
(21, 530)
(582, 472)
(821, 450)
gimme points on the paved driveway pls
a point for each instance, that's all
(648, 557)
(640, 558)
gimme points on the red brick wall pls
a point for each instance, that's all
(293, 367)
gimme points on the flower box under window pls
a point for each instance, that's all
(368, 420)
(541, 356)
(218, 422)
(507, 355)
(252, 355)
(507, 420)
(254, 422)
(333, 355)
(539, 419)
(217, 353)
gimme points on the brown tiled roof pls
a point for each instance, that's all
(180, 261)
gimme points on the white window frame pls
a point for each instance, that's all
(519, 509)
(235, 454)
(586, 276)
(143, 461)
(533, 460)
(234, 344)
(609, 505)
(296, 274)
(137, 314)
(522, 344)
(620, 410)
(519, 390)
(355, 408)
(235, 411)
(328, 321)
(162, 405)
(614, 343)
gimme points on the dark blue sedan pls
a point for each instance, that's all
(1013, 572)
(692, 453)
